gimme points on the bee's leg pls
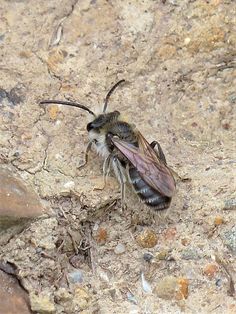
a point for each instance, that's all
(163, 158)
(176, 175)
(106, 170)
(161, 155)
(88, 148)
(119, 172)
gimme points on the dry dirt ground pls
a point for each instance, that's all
(179, 60)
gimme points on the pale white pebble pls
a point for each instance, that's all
(76, 276)
(69, 184)
(146, 286)
(187, 40)
(120, 249)
(104, 276)
(95, 227)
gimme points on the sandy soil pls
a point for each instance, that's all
(179, 60)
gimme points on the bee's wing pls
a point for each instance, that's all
(145, 160)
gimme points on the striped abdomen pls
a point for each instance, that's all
(148, 195)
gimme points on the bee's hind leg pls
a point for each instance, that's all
(88, 148)
(119, 172)
(161, 155)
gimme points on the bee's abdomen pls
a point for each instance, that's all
(148, 195)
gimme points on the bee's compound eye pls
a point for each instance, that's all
(110, 135)
(90, 126)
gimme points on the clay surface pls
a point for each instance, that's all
(178, 57)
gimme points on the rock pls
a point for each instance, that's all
(42, 303)
(210, 270)
(101, 236)
(131, 298)
(145, 284)
(148, 257)
(119, 249)
(105, 276)
(147, 238)
(185, 241)
(229, 239)
(218, 220)
(172, 288)
(170, 233)
(13, 299)
(162, 255)
(81, 299)
(18, 203)
(232, 99)
(76, 276)
(230, 204)
(191, 253)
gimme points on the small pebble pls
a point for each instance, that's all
(105, 275)
(148, 257)
(218, 282)
(101, 236)
(210, 270)
(185, 241)
(218, 220)
(162, 255)
(230, 204)
(120, 249)
(183, 289)
(147, 238)
(229, 239)
(69, 184)
(171, 287)
(232, 98)
(76, 276)
(187, 40)
(131, 298)
(145, 284)
(170, 233)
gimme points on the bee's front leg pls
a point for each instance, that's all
(88, 148)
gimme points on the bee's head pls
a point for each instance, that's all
(102, 121)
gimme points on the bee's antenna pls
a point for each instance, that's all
(67, 103)
(109, 94)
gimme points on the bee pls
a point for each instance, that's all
(132, 158)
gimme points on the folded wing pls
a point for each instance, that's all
(151, 169)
